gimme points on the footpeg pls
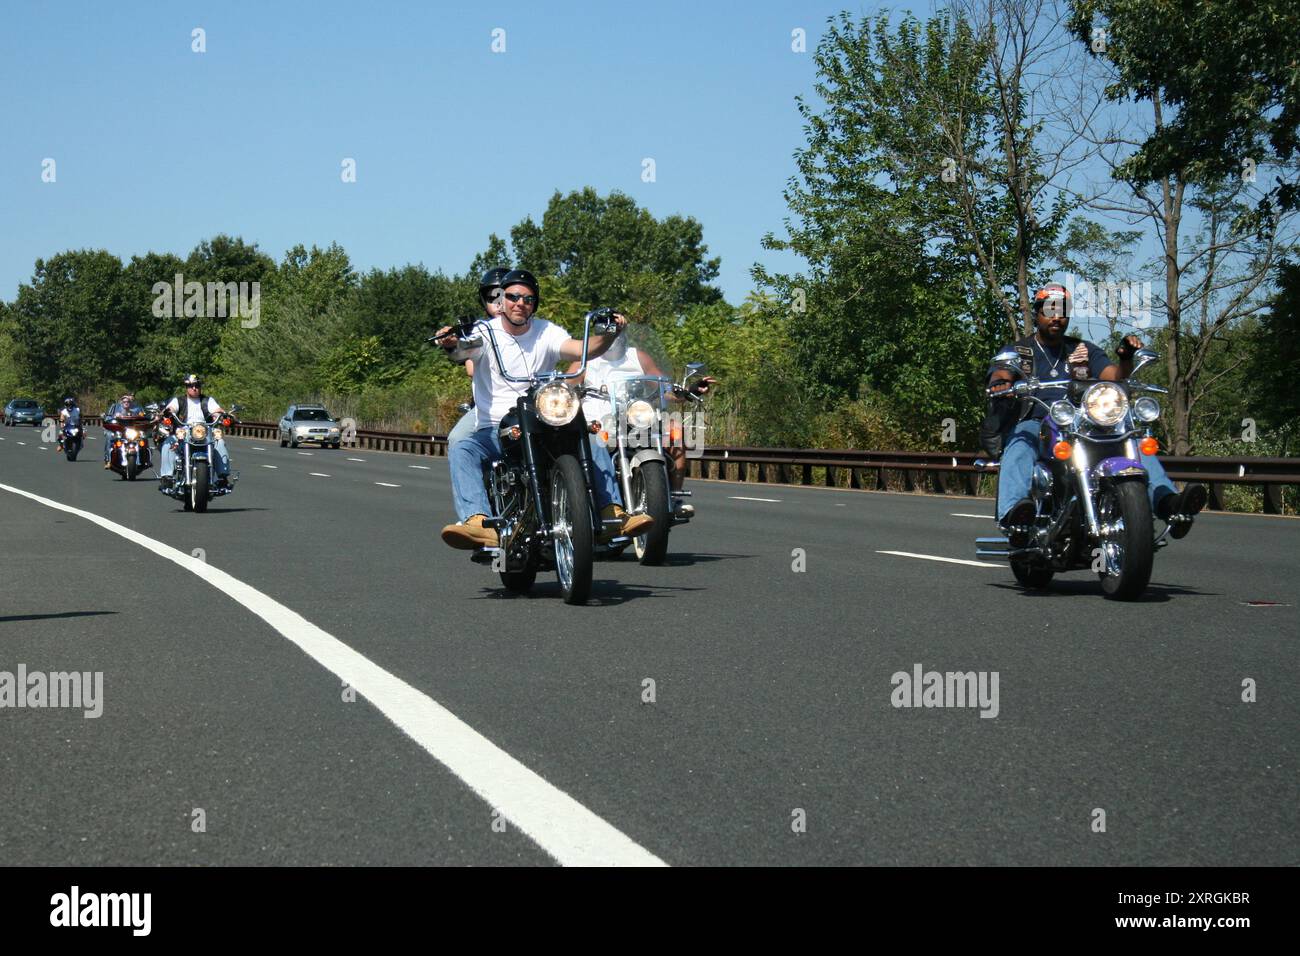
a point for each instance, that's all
(496, 524)
(486, 555)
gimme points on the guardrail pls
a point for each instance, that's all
(915, 471)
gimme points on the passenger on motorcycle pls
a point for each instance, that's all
(490, 297)
(192, 408)
(1011, 428)
(126, 407)
(528, 346)
(623, 360)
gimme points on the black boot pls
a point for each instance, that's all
(1181, 508)
(1018, 523)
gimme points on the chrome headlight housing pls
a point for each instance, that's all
(218, 434)
(182, 434)
(556, 404)
(640, 414)
(198, 432)
(1146, 409)
(1062, 413)
(1105, 404)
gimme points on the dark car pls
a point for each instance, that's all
(309, 423)
(24, 411)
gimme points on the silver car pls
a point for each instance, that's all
(309, 423)
(24, 411)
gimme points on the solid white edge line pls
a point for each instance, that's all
(958, 514)
(559, 824)
(935, 557)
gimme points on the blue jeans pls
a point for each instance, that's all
(220, 460)
(468, 456)
(462, 428)
(1021, 451)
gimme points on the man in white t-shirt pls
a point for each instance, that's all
(197, 407)
(528, 346)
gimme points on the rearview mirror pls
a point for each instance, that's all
(1143, 357)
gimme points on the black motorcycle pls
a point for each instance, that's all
(542, 489)
(193, 482)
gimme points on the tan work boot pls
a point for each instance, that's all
(632, 526)
(470, 535)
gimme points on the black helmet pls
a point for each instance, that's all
(491, 280)
(69, 402)
(192, 379)
(522, 277)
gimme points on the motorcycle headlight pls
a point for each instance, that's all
(640, 414)
(132, 434)
(1146, 409)
(199, 432)
(217, 434)
(557, 404)
(1105, 404)
(1062, 412)
(181, 433)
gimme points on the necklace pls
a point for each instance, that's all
(1060, 356)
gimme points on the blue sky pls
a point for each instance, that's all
(158, 147)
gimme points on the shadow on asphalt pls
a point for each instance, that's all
(603, 593)
(686, 560)
(217, 511)
(1155, 593)
(47, 617)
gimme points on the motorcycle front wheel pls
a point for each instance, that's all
(1033, 576)
(199, 487)
(70, 450)
(650, 496)
(1127, 546)
(571, 529)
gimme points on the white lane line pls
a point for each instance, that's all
(270, 466)
(22, 443)
(743, 498)
(933, 557)
(421, 467)
(255, 448)
(356, 459)
(387, 484)
(307, 453)
(559, 824)
(42, 448)
(958, 514)
(317, 474)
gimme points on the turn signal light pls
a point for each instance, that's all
(1062, 450)
(118, 443)
(675, 434)
(1148, 446)
(604, 436)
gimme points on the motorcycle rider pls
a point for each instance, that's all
(490, 298)
(125, 407)
(1011, 428)
(70, 413)
(623, 360)
(190, 409)
(528, 346)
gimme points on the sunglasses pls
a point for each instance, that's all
(525, 299)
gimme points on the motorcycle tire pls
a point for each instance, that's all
(1128, 501)
(198, 496)
(131, 470)
(519, 582)
(70, 451)
(1033, 576)
(650, 494)
(572, 531)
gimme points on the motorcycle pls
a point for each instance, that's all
(192, 482)
(634, 433)
(71, 438)
(1092, 508)
(129, 452)
(541, 490)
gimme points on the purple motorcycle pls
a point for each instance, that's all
(1089, 486)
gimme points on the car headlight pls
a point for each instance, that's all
(132, 434)
(557, 404)
(1062, 412)
(1146, 409)
(1105, 404)
(334, 431)
(199, 432)
(640, 414)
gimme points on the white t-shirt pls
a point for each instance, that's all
(601, 371)
(194, 410)
(535, 352)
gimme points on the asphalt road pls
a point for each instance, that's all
(771, 637)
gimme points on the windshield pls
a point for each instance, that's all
(24, 405)
(311, 415)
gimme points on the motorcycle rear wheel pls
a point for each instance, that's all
(571, 530)
(650, 495)
(198, 496)
(1125, 509)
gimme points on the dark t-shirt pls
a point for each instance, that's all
(1050, 365)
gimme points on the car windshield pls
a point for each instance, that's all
(311, 415)
(24, 404)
